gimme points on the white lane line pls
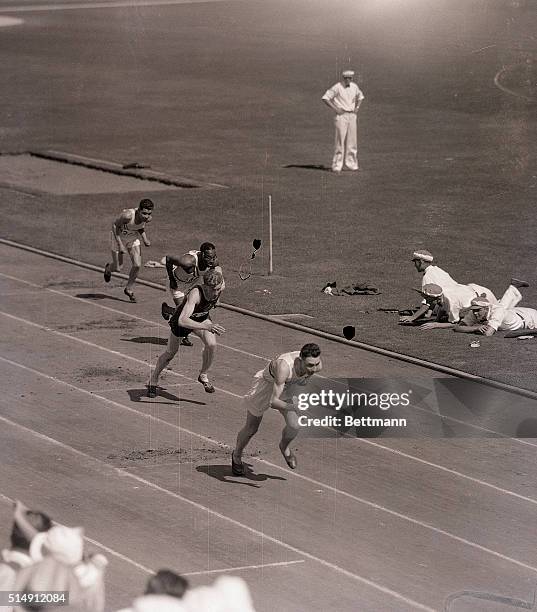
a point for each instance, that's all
(317, 483)
(102, 348)
(97, 5)
(103, 467)
(138, 318)
(115, 553)
(245, 567)
(121, 312)
(6, 22)
(231, 348)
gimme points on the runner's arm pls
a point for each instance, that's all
(185, 321)
(123, 219)
(280, 377)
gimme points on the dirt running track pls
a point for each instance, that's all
(377, 524)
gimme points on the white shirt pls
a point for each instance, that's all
(344, 98)
(130, 230)
(434, 275)
(456, 297)
(511, 319)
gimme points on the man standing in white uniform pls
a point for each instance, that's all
(274, 387)
(345, 98)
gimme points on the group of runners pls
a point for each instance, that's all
(195, 282)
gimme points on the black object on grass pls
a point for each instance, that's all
(349, 332)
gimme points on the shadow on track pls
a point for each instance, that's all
(222, 472)
(146, 340)
(140, 395)
(100, 296)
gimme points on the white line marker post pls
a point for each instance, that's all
(270, 266)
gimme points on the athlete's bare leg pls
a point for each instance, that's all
(171, 350)
(117, 261)
(115, 266)
(136, 261)
(207, 357)
(289, 433)
(246, 434)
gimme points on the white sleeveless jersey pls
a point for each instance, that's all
(290, 359)
(130, 231)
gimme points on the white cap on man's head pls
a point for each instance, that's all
(479, 302)
(423, 255)
(347, 73)
(431, 290)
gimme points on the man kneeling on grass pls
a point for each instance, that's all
(487, 318)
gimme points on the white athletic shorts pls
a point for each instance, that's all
(176, 294)
(128, 244)
(257, 400)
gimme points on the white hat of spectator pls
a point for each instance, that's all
(65, 544)
(157, 603)
(227, 594)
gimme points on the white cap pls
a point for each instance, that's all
(422, 254)
(348, 73)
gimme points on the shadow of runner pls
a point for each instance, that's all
(147, 340)
(222, 472)
(100, 296)
(140, 395)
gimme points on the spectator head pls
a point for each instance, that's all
(38, 521)
(166, 582)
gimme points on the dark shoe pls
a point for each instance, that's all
(329, 286)
(186, 342)
(237, 467)
(166, 311)
(152, 391)
(130, 295)
(206, 385)
(107, 273)
(290, 459)
(519, 283)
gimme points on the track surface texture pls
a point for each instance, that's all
(151, 480)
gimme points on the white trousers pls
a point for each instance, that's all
(346, 144)
(511, 297)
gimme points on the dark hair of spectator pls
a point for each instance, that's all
(166, 582)
(38, 520)
(310, 350)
